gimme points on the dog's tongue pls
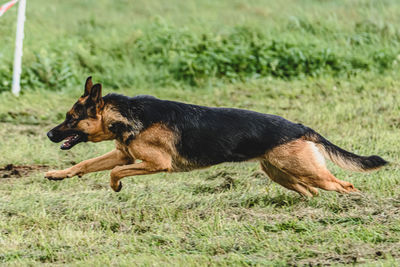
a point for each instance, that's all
(67, 143)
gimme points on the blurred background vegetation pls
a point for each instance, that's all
(195, 43)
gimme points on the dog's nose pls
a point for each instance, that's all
(50, 135)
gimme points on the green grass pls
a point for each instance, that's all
(139, 43)
(229, 214)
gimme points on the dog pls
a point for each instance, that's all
(153, 135)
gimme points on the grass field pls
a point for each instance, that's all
(331, 65)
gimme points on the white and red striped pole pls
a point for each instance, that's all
(7, 6)
(16, 88)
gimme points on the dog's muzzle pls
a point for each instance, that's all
(71, 137)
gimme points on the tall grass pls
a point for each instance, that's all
(162, 52)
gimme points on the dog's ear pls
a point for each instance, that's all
(95, 94)
(88, 86)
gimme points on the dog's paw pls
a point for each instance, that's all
(117, 188)
(55, 175)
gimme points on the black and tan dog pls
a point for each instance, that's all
(169, 136)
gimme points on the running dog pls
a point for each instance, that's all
(169, 136)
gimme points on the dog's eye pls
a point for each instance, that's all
(71, 122)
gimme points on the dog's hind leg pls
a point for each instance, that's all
(305, 164)
(104, 162)
(287, 180)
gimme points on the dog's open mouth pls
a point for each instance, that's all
(70, 141)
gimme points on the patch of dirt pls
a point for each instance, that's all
(18, 171)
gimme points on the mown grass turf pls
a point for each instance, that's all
(229, 214)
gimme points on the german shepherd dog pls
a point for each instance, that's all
(168, 136)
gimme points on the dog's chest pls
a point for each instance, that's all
(153, 143)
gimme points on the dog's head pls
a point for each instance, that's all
(83, 122)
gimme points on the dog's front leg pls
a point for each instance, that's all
(141, 168)
(104, 162)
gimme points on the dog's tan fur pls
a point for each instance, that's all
(300, 166)
(154, 147)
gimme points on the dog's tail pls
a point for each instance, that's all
(343, 158)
